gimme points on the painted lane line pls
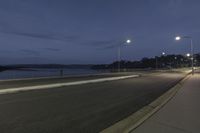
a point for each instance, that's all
(39, 87)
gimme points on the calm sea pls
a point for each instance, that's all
(18, 74)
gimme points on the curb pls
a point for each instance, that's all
(40, 87)
(133, 121)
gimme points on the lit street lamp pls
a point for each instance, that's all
(178, 38)
(191, 49)
(188, 54)
(163, 54)
(175, 62)
(128, 41)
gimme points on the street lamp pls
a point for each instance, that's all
(163, 53)
(188, 54)
(128, 41)
(175, 62)
(178, 38)
(191, 48)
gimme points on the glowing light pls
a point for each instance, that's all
(178, 38)
(188, 54)
(128, 41)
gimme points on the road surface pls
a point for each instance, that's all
(81, 108)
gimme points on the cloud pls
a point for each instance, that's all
(48, 36)
(53, 49)
(108, 47)
(30, 52)
(102, 44)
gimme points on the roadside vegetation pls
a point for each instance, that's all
(166, 61)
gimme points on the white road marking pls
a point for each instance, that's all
(40, 87)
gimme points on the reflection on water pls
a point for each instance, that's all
(16, 74)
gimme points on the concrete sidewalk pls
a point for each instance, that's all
(180, 114)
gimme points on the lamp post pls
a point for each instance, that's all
(191, 49)
(128, 41)
(175, 62)
(163, 54)
(163, 63)
(188, 55)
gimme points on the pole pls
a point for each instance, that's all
(119, 57)
(156, 63)
(192, 55)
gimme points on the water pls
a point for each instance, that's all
(18, 74)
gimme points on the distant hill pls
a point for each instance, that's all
(49, 66)
(2, 68)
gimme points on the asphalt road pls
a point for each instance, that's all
(87, 108)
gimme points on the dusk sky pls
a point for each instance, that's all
(85, 31)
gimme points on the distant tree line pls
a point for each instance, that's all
(43, 66)
(164, 61)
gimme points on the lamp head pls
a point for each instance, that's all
(128, 41)
(188, 54)
(177, 38)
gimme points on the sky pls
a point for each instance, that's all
(89, 31)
